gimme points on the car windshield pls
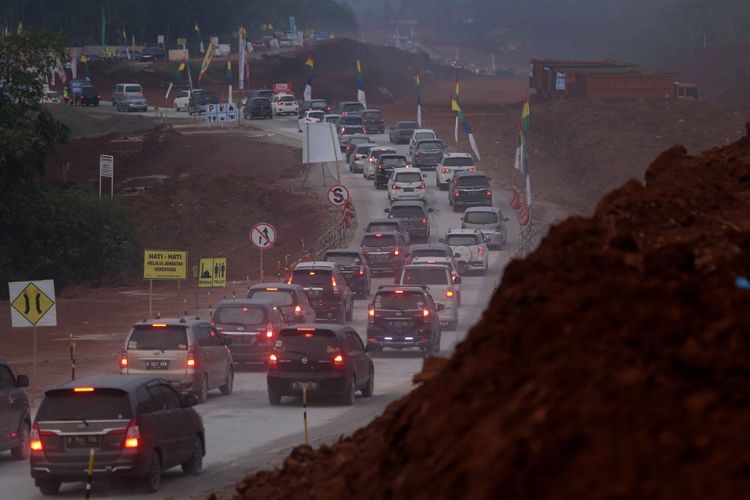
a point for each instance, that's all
(400, 301)
(240, 315)
(458, 161)
(99, 404)
(473, 182)
(480, 217)
(406, 125)
(166, 338)
(430, 145)
(382, 240)
(310, 342)
(278, 297)
(457, 240)
(408, 177)
(347, 259)
(308, 277)
(393, 161)
(425, 276)
(430, 252)
(409, 212)
(373, 115)
(423, 135)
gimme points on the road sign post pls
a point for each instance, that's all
(164, 265)
(107, 169)
(263, 235)
(338, 195)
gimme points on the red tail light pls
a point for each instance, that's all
(424, 221)
(35, 439)
(124, 359)
(190, 363)
(371, 314)
(456, 193)
(480, 250)
(395, 252)
(396, 186)
(361, 270)
(269, 330)
(273, 361)
(445, 170)
(338, 361)
(132, 436)
(421, 186)
(425, 313)
(333, 283)
(488, 193)
(297, 310)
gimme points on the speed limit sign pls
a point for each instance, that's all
(338, 195)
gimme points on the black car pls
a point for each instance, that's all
(469, 189)
(349, 107)
(258, 107)
(198, 100)
(317, 104)
(89, 96)
(138, 426)
(403, 317)
(252, 325)
(353, 265)
(428, 153)
(414, 215)
(386, 226)
(386, 164)
(327, 360)
(401, 132)
(344, 120)
(15, 413)
(326, 290)
(372, 119)
(385, 252)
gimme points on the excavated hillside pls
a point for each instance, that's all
(613, 362)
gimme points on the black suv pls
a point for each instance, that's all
(385, 252)
(403, 317)
(268, 94)
(326, 289)
(388, 225)
(258, 107)
(327, 360)
(353, 265)
(138, 426)
(414, 215)
(372, 119)
(318, 104)
(89, 96)
(469, 189)
(200, 99)
(386, 164)
(401, 132)
(15, 413)
(428, 153)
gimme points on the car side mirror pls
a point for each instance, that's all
(190, 400)
(387, 210)
(22, 381)
(424, 176)
(440, 307)
(227, 340)
(429, 210)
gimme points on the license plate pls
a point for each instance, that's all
(408, 190)
(310, 386)
(243, 339)
(81, 441)
(399, 324)
(157, 365)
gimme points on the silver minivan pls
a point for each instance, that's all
(188, 352)
(122, 90)
(490, 221)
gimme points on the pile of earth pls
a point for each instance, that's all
(612, 362)
(722, 74)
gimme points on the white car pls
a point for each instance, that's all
(285, 104)
(449, 165)
(406, 184)
(418, 135)
(311, 116)
(439, 281)
(368, 170)
(181, 99)
(359, 155)
(490, 221)
(469, 249)
(443, 261)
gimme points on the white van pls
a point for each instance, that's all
(123, 90)
(182, 98)
(439, 281)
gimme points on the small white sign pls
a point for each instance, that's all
(338, 195)
(263, 235)
(106, 166)
(32, 303)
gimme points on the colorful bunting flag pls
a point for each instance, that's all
(418, 85)
(229, 68)
(310, 63)
(360, 84)
(206, 61)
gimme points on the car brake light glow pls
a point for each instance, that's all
(378, 235)
(191, 358)
(269, 330)
(305, 329)
(36, 442)
(421, 186)
(83, 389)
(425, 313)
(312, 273)
(398, 291)
(424, 221)
(338, 360)
(124, 359)
(361, 270)
(272, 289)
(445, 170)
(297, 309)
(456, 193)
(395, 252)
(488, 193)
(132, 436)
(480, 250)
(396, 186)
(371, 312)
(272, 360)
(449, 293)
(472, 169)
(159, 325)
(372, 340)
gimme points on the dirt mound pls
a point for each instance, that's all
(722, 74)
(611, 363)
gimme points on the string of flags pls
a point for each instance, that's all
(521, 162)
(465, 126)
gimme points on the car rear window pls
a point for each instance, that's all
(347, 259)
(384, 240)
(381, 227)
(311, 277)
(351, 120)
(287, 98)
(400, 301)
(430, 252)
(89, 90)
(363, 149)
(318, 115)
(277, 297)
(425, 276)
(148, 337)
(99, 404)
(355, 106)
(353, 130)
(457, 240)
(132, 88)
(393, 161)
(331, 119)
(473, 181)
(458, 161)
(359, 140)
(480, 217)
(311, 342)
(407, 212)
(380, 152)
(406, 125)
(430, 145)
(240, 315)
(423, 135)
(373, 115)
(319, 105)
(408, 177)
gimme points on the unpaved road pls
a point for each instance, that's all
(243, 431)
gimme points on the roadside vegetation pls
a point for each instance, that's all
(47, 232)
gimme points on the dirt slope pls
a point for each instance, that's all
(611, 363)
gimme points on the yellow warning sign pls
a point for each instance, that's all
(213, 272)
(32, 303)
(164, 265)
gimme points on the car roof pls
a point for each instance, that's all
(390, 155)
(385, 148)
(431, 246)
(246, 302)
(366, 145)
(343, 250)
(407, 122)
(385, 221)
(371, 110)
(416, 131)
(469, 173)
(456, 155)
(424, 264)
(334, 327)
(280, 286)
(408, 288)
(187, 321)
(482, 209)
(322, 264)
(123, 382)
(407, 203)
(121, 83)
(405, 169)
(432, 139)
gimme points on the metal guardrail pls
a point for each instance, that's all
(336, 236)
